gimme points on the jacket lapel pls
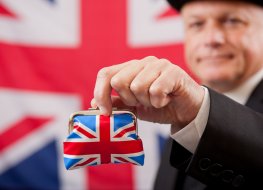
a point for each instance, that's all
(255, 100)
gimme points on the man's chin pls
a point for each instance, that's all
(220, 85)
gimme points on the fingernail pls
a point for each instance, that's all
(93, 104)
(103, 111)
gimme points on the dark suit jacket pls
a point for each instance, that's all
(229, 154)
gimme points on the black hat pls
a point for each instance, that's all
(178, 4)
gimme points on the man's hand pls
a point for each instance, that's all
(159, 91)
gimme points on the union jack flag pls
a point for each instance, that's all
(98, 139)
(50, 52)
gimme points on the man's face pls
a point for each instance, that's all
(223, 42)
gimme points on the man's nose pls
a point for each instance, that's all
(214, 36)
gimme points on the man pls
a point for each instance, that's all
(216, 140)
(221, 29)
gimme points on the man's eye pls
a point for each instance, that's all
(196, 25)
(232, 21)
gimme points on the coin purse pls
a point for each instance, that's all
(96, 139)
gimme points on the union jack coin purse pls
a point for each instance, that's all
(96, 139)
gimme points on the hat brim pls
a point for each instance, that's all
(178, 4)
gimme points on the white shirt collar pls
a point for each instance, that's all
(242, 92)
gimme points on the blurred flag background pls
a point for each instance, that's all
(50, 52)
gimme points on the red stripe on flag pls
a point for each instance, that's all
(20, 130)
(108, 173)
(103, 148)
(123, 132)
(107, 176)
(5, 12)
(84, 132)
(170, 12)
(111, 177)
(121, 159)
(87, 162)
(106, 149)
